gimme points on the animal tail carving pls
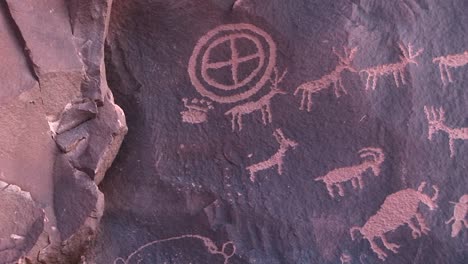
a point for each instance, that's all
(319, 178)
(353, 230)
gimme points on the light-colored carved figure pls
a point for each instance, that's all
(453, 61)
(277, 158)
(436, 119)
(263, 104)
(373, 159)
(202, 63)
(398, 209)
(346, 258)
(459, 215)
(397, 69)
(333, 79)
(208, 243)
(197, 110)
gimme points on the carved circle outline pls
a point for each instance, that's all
(233, 29)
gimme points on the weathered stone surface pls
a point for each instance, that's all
(186, 168)
(60, 106)
(21, 222)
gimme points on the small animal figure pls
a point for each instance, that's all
(277, 159)
(397, 69)
(398, 209)
(454, 61)
(263, 104)
(436, 119)
(197, 111)
(459, 215)
(334, 78)
(354, 173)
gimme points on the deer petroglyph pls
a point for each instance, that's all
(453, 61)
(197, 111)
(277, 159)
(208, 243)
(397, 69)
(459, 215)
(355, 173)
(263, 104)
(334, 78)
(436, 119)
(398, 209)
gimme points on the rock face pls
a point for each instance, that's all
(260, 132)
(220, 94)
(60, 128)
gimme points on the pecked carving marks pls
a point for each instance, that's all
(354, 173)
(277, 159)
(436, 119)
(398, 209)
(450, 61)
(208, 243)
(459, 215)
(396, 69)
(197, 110)
(263, 104)
(201, 63)
(333, 79)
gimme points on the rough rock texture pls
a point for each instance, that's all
(184, 168)
(60, 128)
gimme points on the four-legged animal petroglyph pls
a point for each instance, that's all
(354, 174)
(436, 119)
(277, 158)
(459, 215)
(263, 104)
(397, 69)
(454, 61)
(334, 78)
(197, 111)
(398, 209)
(209, 244)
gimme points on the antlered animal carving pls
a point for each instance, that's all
(263, 104)
(454, 61)
(398, 209)
(397, 69)
(354, 174)
(277, 159)
(436, 119)
(459, 215)
(334, 78)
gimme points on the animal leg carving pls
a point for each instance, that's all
(395, 77)
(264, 118)
(354, 182)
(452, 147)
(415, 232)
(449, 74)
(340, 189)
(309, 101)
(360, 181)
(403, 76)
(374, 83)
(380, 253)
(269, 116)
(330, 190)
(391, 246)
(422, 223)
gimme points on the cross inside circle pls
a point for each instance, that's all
(202, 66)
(234, 62)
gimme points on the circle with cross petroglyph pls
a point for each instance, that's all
(248, 69)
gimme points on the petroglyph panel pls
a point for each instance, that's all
(372, 160)
(436, 120)
(450, 61)
(398, 70)
(227, 250)
(334, 79)
(277, 159)
(458, 220)
(398, 209)
(225, 39)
